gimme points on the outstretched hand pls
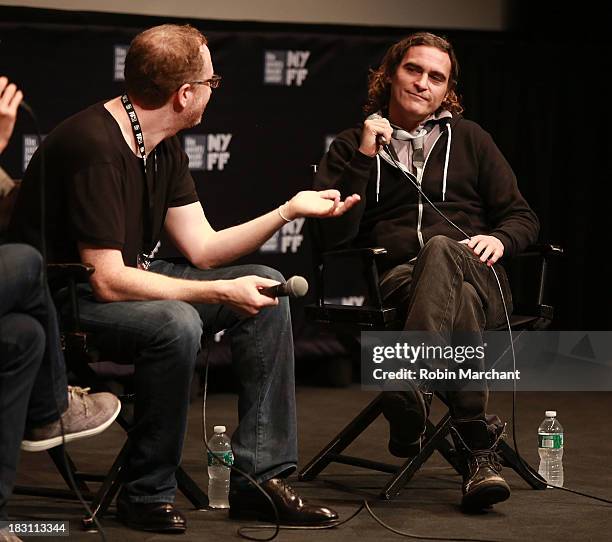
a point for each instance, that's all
(319, 204)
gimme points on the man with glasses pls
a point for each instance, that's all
(123, 177)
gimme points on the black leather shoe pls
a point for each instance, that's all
(160, 517)
(483, 484)
(406, 412)
(249, 503)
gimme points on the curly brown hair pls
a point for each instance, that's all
(160, 60)
(379, 86)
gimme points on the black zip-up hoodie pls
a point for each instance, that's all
(465, 175)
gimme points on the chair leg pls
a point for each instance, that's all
(342, 440)
(57, 455)
(522, 468)
(448, 451)
(191, 490)
(107, 491)
(435, 440)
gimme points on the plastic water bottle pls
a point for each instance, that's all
(219, 474)
(550, 448)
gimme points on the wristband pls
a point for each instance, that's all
(281, 213)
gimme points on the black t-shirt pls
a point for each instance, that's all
(95, 189)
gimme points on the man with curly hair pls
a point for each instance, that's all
(438, 275)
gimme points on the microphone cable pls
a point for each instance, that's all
(244, 531)
(514, 430)
(43, 250)
(206, 348)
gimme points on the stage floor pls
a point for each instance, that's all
(428, 506)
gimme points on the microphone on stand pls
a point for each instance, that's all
(294, 287)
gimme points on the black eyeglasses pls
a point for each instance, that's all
(213, 82)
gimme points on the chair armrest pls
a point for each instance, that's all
(362, 259)
(542, 250)
(78, 272)
(374, 251)
(529, 272)
(364, 254)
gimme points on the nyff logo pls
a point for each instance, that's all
(207, 152)
(30, 144)
(285, 68)
(287, 239)
(119, 63)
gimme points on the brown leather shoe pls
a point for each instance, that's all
(249, 503)
(159, 517)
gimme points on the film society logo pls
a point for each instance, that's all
(30, 144)
(207, 152)
(119, 63)
(287, 239)
(285, 68)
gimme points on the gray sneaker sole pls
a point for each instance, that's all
(42, 445)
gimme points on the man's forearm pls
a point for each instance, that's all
(229, 244)
(137, 285)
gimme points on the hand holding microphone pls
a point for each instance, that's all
(249, 294)
(294, 287)
(376, 132)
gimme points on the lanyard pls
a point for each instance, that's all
(131, 113)
(148, 203)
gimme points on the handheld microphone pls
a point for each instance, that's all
(294, 287)
(380, 139)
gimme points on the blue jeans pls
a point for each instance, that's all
(162, 339)
(32, 370)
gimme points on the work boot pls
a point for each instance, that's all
(483, 485)
(407, 412)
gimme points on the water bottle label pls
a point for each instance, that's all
(227, 457)
(551, 441)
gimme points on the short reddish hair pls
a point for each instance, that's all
(160, 60)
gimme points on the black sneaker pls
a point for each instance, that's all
(406, 412)
(483, 484)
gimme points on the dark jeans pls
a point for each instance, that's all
(445, 291)
(162, 339)
(32, 371)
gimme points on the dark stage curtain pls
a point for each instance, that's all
(287, 89)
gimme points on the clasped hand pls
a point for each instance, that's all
(489, 248)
